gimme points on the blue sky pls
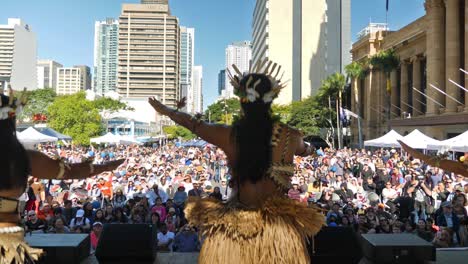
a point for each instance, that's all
(65, 28)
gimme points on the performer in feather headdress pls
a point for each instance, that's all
(17, 164)
(258, 224)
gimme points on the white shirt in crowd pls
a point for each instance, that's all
(84, 222)
(164, 238)
(389, 194)
(151, 195)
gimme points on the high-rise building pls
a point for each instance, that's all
(105, 55)
(198, 89)
(47, 73)
(85, 76)
(18, 55)
(148, 52)
(240, 54)
(70, 81)
(221, 81)
(309, 39)
(187, 48)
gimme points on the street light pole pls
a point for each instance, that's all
(359, 131)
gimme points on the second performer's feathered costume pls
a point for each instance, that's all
(457, 167)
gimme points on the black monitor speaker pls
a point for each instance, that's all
(127, 243)
(335, 245)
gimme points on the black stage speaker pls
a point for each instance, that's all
(127, 243)
(335, 245)
(396, 248)
(61, 248)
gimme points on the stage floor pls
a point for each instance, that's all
(443, 257)
(162, 258)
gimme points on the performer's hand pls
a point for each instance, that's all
(83, 170)
(181, 103)
(158, 106)
(108, 166)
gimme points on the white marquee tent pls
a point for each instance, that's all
(458, 143)
(417, 140)
(388, 140)
(108, 138)
(32, 136)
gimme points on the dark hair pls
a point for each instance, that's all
(96, 218)
(13, 158)
(252, 134)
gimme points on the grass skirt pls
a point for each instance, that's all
(14, 250)
(276, 232)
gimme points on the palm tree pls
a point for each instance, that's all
(356, 71)
(333, 86)
(387, 61)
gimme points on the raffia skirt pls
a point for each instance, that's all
(14, 250)
(275, 232)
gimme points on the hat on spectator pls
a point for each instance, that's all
(459, 189)
(446, 204)
(172, 210)
(80, 213)
(97, 223)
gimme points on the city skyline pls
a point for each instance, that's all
(70, 42)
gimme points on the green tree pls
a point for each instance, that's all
(216, 112)
(309, 115)
(174, 132)
(386, 61)
(356, 71)
(283, 111)
(75, 116)
(333, 86)
(38, 102)
(106, 103)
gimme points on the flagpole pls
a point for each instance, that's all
(386, 15)
(428, 97)
(444, 93)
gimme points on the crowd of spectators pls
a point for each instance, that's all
(379, 191)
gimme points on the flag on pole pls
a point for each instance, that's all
(349, 113)
(387, 6)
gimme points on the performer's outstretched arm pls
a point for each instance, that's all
(304, 148)
(215, 134)
(44, 167)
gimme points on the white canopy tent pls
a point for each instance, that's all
(107, 138)
(129, 140)
(458, 143)
(417, 140)
(388, 140)
(32, 136)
